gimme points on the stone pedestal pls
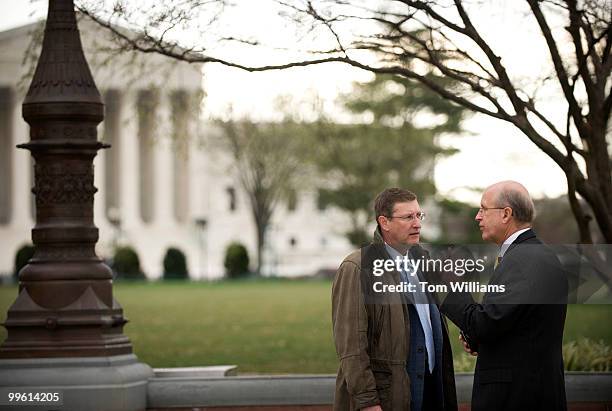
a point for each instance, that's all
(117, 383)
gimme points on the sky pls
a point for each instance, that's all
(491, 150)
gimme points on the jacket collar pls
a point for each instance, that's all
(377, 237)
(377, 250)
(511, 239)
(527, 235)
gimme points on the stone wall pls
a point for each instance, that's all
(585, 392)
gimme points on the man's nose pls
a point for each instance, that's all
(478, 216)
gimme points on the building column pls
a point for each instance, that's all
(162, 196)
(129, 192)
(7, 108)
(147, 114)
(112, 158)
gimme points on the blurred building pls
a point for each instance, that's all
(158, 187)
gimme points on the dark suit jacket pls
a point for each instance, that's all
(519, 365)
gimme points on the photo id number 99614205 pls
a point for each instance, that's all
(16, 396)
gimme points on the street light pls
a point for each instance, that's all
(65, 316)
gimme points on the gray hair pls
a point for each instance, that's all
(521, 204)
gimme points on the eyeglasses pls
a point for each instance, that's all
(481, 210)
(410, 217)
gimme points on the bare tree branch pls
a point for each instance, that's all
(410, 38)
(558, 65)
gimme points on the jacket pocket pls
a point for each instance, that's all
(495, 375)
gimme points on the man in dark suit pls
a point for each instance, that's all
(516, 334)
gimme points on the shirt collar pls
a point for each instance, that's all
(393, 252)
(504, 247)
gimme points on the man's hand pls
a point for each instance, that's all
(373, 408)
(466, 346)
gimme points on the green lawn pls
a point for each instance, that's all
(261, 326)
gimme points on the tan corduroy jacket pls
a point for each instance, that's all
(372, 338)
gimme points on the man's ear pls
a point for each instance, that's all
(383, 222)
(507, 214)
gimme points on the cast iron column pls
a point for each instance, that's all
(65, 330)
(65, 305)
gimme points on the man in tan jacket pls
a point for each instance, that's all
(394, 354)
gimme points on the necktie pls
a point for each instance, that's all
(497, 262)
(423, 310)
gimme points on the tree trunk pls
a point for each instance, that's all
(261, 238)
(582, 220)
(261, 214)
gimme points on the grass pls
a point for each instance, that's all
(265, 326)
